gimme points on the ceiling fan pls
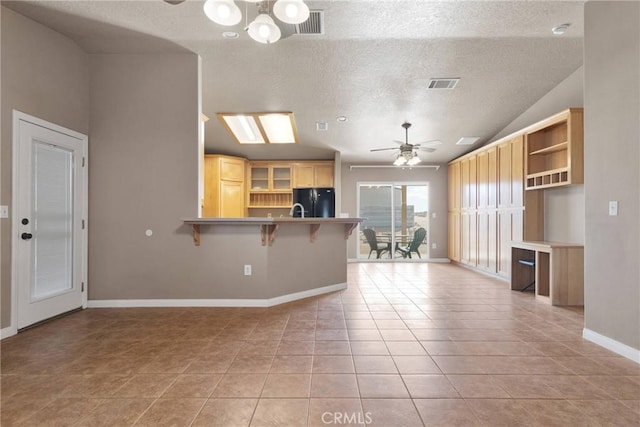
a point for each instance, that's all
(408, 152)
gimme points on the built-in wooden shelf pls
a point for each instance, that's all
(552, 149)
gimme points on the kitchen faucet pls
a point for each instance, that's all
(293, 208)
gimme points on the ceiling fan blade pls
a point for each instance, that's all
(432, 142)
(384, 149)
(427, 149)
(398, 142)
(174, 2)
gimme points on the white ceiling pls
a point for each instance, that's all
(372, 65)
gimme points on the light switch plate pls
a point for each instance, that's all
(613, 208)
(4, 211)
(247, 269)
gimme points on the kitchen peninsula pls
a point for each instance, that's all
(297, 257)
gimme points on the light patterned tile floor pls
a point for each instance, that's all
(405, 344)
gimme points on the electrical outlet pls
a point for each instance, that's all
(247, 269)
(613, 208)
(434, 246)
(4, 211)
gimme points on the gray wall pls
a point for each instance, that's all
(46, 75)
(437, 199)
(612, 170)
(143, 173)
(563, 207)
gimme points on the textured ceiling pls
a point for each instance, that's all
(372, 65)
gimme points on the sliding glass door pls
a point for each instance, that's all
(397, 221)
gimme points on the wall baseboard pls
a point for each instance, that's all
(267, 302)
(7, 332)
(424, 260)
(611, 344)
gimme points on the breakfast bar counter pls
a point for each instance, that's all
(266, 261)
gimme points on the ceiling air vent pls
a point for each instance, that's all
(443, 83)
(322, 126)
(313, 25)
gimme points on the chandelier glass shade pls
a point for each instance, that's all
(263, 29)
(291, 11)
(223, 12)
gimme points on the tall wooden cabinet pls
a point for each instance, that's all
(224, 195)
(493, 191)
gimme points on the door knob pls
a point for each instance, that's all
(26, 236)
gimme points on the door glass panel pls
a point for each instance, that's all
(395, 212)
(375, 206)
(414, 215)
(52, 213)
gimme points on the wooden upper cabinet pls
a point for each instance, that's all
(224, 188)
(270, 177)
(313, 174)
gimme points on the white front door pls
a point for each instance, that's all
(49, 220)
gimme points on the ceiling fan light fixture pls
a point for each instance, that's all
(400, 160)
(291, 11)
(414, 160)
(223, 12)
(264, 30)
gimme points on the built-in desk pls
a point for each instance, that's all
(558, 271)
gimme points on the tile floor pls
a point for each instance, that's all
(404, 345)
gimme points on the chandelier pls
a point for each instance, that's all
(263, 29)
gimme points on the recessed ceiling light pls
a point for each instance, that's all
(560, 29)
(261, 128)
(230, 35)
(341, 119)
(468, 140)
(322, 126)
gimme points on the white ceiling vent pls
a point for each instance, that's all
(443, 83)
(468, 140)
(322, 126)
(312, 26)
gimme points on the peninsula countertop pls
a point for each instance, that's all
(269, 225)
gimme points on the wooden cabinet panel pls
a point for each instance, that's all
(487, 241)
(465, 182)
(504, 244)
(323, 175)
(504, 175)
(454, 236)
(232, 169)
(464, 238)
(231, 199)
(454, 184)
(224, 191)
(303, 176)
(469, 243)
(483, 179)
(492, 178)
(473, 186)
(517, 172)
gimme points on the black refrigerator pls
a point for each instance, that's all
(318, 202)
